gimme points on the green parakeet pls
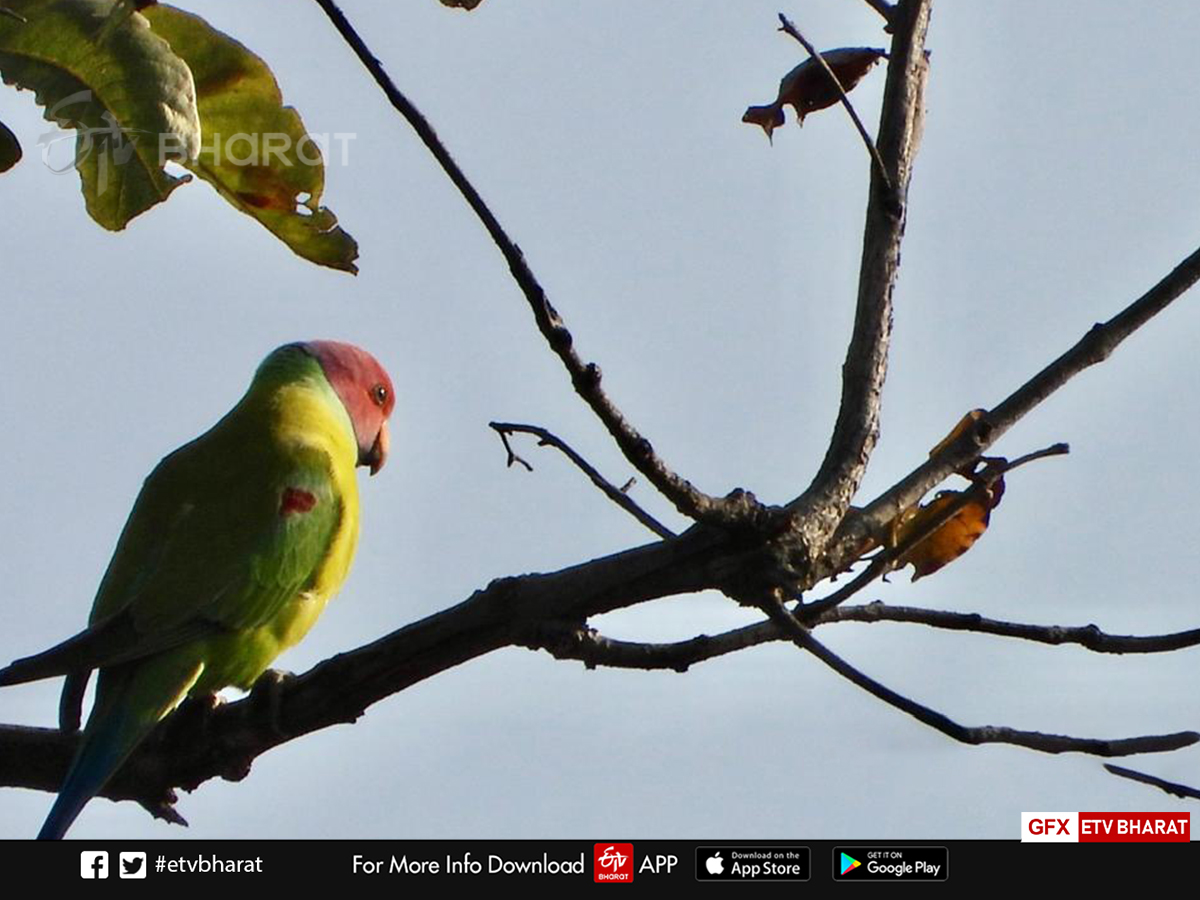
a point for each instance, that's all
(235, 544)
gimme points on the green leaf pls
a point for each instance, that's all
(10, 149)
(129, 97)
(255, 151)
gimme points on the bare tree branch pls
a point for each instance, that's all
(1087, 636)
(565, 641)
(615, 494)
(574, 641)
(197, 744)
(1179, 790)
(547, 611)
(585, 377)
(980, 734)
(823, 504)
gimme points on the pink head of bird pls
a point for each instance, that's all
(365, 390)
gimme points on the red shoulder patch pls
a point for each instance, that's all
(296, 500)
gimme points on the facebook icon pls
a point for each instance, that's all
(93, 864)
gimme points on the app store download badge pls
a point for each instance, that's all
(758, 863)
(877, 863)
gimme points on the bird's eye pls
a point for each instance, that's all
(379, 394)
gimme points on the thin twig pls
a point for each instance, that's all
(585, 377)
(791, 29)
(615, 494)
(981, 734)
(1171, 787)
(1062, 448)
(513, 459)
(1087, 636)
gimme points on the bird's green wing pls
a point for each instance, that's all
(224, 543)
(215, 543)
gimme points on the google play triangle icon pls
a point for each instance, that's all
(849, 863)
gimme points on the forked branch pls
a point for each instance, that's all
(823, 505)
(979, 734)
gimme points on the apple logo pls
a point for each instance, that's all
(715, 864)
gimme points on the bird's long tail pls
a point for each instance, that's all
(130, 702)
(108, 643)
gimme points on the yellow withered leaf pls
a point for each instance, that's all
(952, 538)
(964, 424)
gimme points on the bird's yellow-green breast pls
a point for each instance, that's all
(308, 459)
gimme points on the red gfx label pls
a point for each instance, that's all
(1113, 827)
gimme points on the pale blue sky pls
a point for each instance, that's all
(712, 276)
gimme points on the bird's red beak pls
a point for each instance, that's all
(377, 455)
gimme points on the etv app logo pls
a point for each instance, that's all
(613, 863)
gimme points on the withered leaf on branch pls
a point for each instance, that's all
(965, 424)
(955, 536)
(806, 88)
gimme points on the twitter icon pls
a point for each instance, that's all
(133, 864)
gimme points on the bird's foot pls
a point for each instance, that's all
(189, 721)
